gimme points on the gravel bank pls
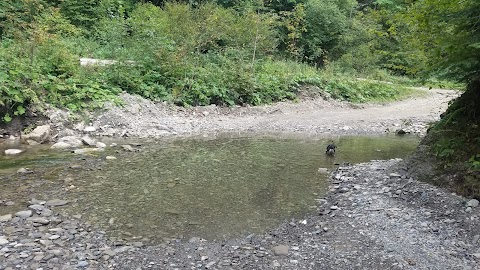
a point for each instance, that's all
(142, 118)
(373, 217)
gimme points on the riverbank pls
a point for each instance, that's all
(372, 217)
(141, 118)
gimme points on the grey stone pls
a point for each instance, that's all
(24, 214)
(82, 264)
(210, 264)
(100, 145)
(89, 129)
(40, 134)
(61, 145)
(39, 220)
(109, 252)
(71, 140)
(88, 141)
(472, 203)
(54, 237)
(46, 212)
(24, 171)
(13, 151)
(56, 202)
(56, 252)
(475, 239)
(37, 207)
(35, 201)
(322, 170)
(3, 240)
(280, 250)
(5, 218)
(128, 147)
(86, 150)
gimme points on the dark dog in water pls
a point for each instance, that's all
(331, 149)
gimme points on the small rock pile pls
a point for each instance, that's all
(39, 238)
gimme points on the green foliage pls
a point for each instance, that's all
(82, 14)
(199, 52)
(77, 94)
(474, 162)
(449, 34)
(325, 22)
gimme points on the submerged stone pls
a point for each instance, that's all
(56, 202)
(12, 152)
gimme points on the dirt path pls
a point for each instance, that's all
(142, 118)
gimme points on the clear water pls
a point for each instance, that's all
(210, 188)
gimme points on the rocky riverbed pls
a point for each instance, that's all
(373, 217)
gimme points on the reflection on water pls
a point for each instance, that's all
(214, 188)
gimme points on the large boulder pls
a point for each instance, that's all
(40, 134)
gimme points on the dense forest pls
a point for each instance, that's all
(244, 52)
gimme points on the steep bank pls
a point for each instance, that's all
(449, 155)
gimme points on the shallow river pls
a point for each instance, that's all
(210, 188)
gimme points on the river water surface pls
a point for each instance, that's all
(210, 188)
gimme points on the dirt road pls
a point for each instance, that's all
(142, 118)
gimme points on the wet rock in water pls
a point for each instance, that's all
(24, 171)
(88, 141)
(5, 218)
(60, 145)
(56, 202)
(12, 152)
(322, 170)
(71, 140)
(40, 134)
(35, 201)
(280, 250)
(128, 147)
(172, 211)
(472, 203)
(100, 145)
(86, 150)
(24, 214)
(110, 158)
(400, 132)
